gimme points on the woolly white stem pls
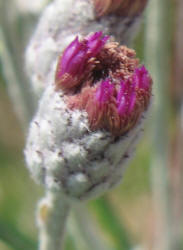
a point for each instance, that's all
(52, 216)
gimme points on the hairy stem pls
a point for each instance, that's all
(52, 216)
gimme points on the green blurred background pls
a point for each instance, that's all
(145, 211)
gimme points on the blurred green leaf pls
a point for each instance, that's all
(69, 243)
(15, 239)
(110, 221)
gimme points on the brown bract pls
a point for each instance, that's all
(119, 7)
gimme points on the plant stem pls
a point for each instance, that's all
(158, 60)
(84, 227)
(11, 57)
(177, 140)
(110, 221)
(52, 217)
(14, 238)
(21, 102)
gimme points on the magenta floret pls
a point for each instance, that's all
(104, 91)
(105, 81)
(142, 78)
(75, 56)
(95, 42)
(127, 94)
(126, 97)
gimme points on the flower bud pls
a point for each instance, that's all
(89, 118)
(120, 7)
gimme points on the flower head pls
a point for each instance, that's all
(89, 119)
(106, 81)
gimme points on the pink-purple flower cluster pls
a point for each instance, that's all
(111, 86)
(127, 95)
(104, 91)
(74, 59)
(127, 99)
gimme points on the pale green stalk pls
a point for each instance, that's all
(12, 41)
(21, 101)
(52, 216)
(83, 221)
(177, 140)
(157, 52)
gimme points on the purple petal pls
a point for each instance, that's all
(120, 92)
(132, 102)
(122, 99)
(126, 97)
(122, 106)
(141, 78)
(77, 53)
(104, 91)
(75, 66)
(94, 36)
(95, 42)
(70, 51)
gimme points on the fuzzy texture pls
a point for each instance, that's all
(71, 158)
(89, 118)
(52, 214)
(63, 154)
(60, 22)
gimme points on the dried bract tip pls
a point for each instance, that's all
(119, 7)
(105, 80)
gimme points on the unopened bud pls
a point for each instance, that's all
(128, 8)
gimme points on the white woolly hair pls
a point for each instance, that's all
(63, 154)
